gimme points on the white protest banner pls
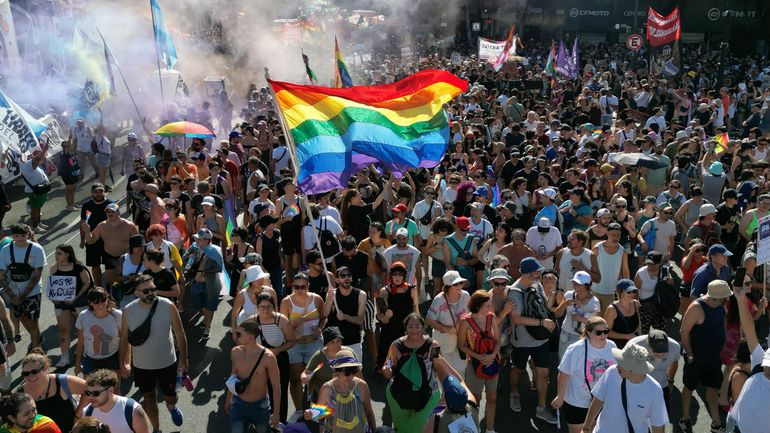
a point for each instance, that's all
(763, 240)
(457, 58)
(61, 288)
(489, 49)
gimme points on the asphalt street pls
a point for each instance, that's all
(209, 361)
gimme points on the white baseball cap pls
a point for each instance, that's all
(582, 278)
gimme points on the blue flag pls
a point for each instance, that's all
(163, 41)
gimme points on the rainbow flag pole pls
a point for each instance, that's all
(341, 74)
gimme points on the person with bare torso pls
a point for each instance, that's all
(252, 365)
(115, 231)
(157, 207)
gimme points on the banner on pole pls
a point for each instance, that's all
(489, 49)
(763, 240)
(663, 33)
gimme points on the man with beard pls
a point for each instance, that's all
(114, 232)
(21, 412)
(598, 231)
(345, 308)
(122, 414)
(154, 362)
(93, 213)
(406, 254)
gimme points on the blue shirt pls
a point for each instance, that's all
(550, 212)
(705, 274)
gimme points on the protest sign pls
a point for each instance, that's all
(61, 288)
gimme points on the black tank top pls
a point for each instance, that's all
(351, 333)
(624, 325)
(60, 411)
(79, 286)
(271, 251)
(594, 239)
(318, 284)
(709, 337)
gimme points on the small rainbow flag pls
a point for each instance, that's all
(319, 412)
(88, 215)
(291, 211)
(42, 424)
(722, 140)
(341, 74)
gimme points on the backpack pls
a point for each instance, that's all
(534, 306)
(666, 297)
(484, 344)
(128, 412)
(330, 245)
(708, 234)
(404, 388)
(649, 239)
(466, 272)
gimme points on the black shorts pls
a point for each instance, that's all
(539, 356)
(29, 307)
(573, 414)
(149, 380)
(708, 374)
(94, 253)
(110, 262)
(110, 363)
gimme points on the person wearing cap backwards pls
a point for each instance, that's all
(545, 241)
(529, 312)
(93, 212)
(664, 353)
(626, 398)
(749, 413)
(131, 152)
(400, 221)
(345, 308)
(549, 210)
(155, 362)
(706, 228)
(703, 334)
(211, 221)
(348, 394)
(206, 264)
(114, 232)
(715, 268)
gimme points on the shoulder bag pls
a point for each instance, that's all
(624, 398)
(240, 386)
(138, 336)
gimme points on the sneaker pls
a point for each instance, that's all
(205, 336)
(64, 362)
(107, 188)
(545, 415)
(515, 402)
(717, 429)
(176, 416)
(42, 226)
(685, 425)
(38, 229)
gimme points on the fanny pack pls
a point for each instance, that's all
(40, 189)
(138, 336)
(20, 272)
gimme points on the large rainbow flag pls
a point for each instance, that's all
(339, 131)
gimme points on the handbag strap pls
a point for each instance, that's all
(585, 363)
(255, 365)
(449, 308)
(624, 398)
(152, 310)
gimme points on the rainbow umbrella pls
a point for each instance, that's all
(184, 129)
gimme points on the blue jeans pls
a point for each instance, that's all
(242, 414)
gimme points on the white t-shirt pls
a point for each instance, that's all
(328, 223)
(83, 137)
(331, 211)
(409, 256)
(420, 210)
(646, 406)
(660, 373)
(256, 201)
(580, 368)
(606, 103)
(36, 260)
(480, 231)
(751, 409)
(102, 335)
(35, 176)
(543, 243)
(281, 158)
(622, 136)
(590, 309)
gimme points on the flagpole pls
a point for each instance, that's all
(123, 77)
(295, 165)
(157, 58)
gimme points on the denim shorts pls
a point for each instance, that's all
(302, 352)
(203, 298)
(242, 414)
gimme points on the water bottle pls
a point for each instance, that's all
(187, 382)
(179, 378)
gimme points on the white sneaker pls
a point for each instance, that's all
(64, 362)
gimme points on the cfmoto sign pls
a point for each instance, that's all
(575, 12)
(713, 14)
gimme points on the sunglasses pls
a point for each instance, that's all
(347, 371)
(620, 206)
(668, 213)
(600, 332)
(31, 372)
(398, 274)
(300, 286)
(88, 393)
(448, 207)
(146, 291)
(498, 284)
(346, 275)
(674, 186)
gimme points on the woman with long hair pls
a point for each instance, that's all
(98, 330)
(71, 278)
(492, 246)
(355, 213)
(464, 198)
(177, 229)
(580, 369)
(435, 249)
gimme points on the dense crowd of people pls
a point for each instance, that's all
(595, 223)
